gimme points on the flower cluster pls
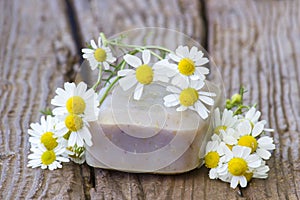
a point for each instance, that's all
(183, 69)
(64, 134)
(239, 148)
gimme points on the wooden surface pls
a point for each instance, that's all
(254, 43)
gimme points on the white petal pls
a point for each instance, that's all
(213, 173)
(217, 117)
(264, 154)
(257, 129)
(173, 89)
(243, 181)
(125, 72)
(266, 142)
(182, 51)
(201, 61)
(244, 128)
(181, 108)
(127, 82)
(105, 65)
(174, 57)
(207, 100)
(146, 56)
(72, 139)
(138, 91)
(133, 60)
(87, 50)
(249, 115)
(180, 81)
(201, 110)
(171, 100)
(93, 44)
(253, 161)
(234, 182)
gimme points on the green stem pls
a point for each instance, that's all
(108, 90)
(139, 48)
(104, 40)
(99, 78)
(122, 66)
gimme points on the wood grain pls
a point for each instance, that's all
(37, 50)
(256, 45)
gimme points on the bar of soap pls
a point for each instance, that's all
(145, 136)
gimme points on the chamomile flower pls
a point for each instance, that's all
(213, 157)
(76, 100)
(142, 74)
(44, 158)
(77, 128)
(188, 64)
(98, 55)
(253, 116)
(45, 133)
(190, 96)
(248, 138)
(224, 120)
(239, 163)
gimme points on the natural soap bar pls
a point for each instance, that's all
(146, 136)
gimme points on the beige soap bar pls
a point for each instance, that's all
(145, 136)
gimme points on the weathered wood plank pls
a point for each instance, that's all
(115, 16)
(37, 50)
(256, 45)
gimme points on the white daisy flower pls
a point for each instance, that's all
(76, 100)
(142, 75)
(190, 96)
(248, 138)
(45, 133)
(188, 65)
(224, 120)
(213, 157)
(77, 128)
(239, 161)
(253, 116)
(41, 157)
(98, 55)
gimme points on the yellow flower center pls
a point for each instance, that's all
(73, 122)
(212, 159)
(48, 140)
(186, 66)
(237, 166)
(248, 176)
(248, 141)
(219, 128)
(144, 74)
(48, 157)
(75, 105)
(188, 97)
(100, 55)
